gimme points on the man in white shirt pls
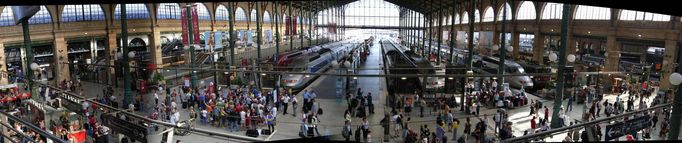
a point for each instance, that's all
(156, 96)
(285, 103)
(131, 107)
(242, 115)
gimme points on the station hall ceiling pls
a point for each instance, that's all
(421, 6)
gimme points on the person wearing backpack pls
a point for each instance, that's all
(347, 131)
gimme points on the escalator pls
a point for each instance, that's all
(171, 47)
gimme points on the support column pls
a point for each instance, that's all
(538, 47)
(157, 57)
(669, 58)
(110, 53)
(61, 60)
(452, 38)
(677, 100)
(612, 51)
(3, 70)
(440, 35)
(515, 42)
(559, 96)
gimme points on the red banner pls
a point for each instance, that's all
(185, 30)
(185, 26)
(293, 30)
(287, 26)
(195, 25)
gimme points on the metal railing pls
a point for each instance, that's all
(580, 125)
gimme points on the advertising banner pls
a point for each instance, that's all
(185, 29)
(195, 24)
(218, 39)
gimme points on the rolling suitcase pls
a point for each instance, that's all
(252, 133)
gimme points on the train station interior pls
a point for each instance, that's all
(437, 71)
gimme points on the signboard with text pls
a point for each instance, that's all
(631, 126)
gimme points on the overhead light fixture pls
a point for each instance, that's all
(588, 32)
(307, 75)
(403, 78)
(86, 33)
(552, 30)
(450, 78)
(263, 74)
(194, 71)
(639, 35)
(227, 72)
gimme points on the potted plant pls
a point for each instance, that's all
(157, 78)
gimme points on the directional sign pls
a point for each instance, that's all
(620, 129)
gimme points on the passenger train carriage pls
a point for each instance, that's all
(313, 60)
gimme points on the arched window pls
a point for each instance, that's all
(133, 11)
(266, 16)
(202, 11)
(465, 18)
(592, 12)
(42, 17)
(642, 16)
(489, 14)
(508, 15)
(284, 18)
(168, 11)
(552, 11)
(526, 11)
(6, 17)
(477, 16)
(457, 20)
(90, 12)
(253, 15)
(239, 14)
(221, 13)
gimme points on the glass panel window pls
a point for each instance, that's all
(508, 15)
(202, 11)
(489, 14)
(42, 17)
(133, 11)
(526, 11)
(552, 11)
(91, 12)
(222, 13)
(266, 16)
(593, 12)
(168, 11)
(477, 16)
(240, 15)
(7, 17)
(465, 18)
(253, 15)
(631, 15)
(371, 13)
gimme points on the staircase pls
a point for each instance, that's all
(201, 58)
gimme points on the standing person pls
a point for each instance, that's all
(569, 107)
(293, 104)
(497, 119)
(370, 105)
(270, 121)
(467, 127)
(347, 130)
(546, 113)
(285, 103)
